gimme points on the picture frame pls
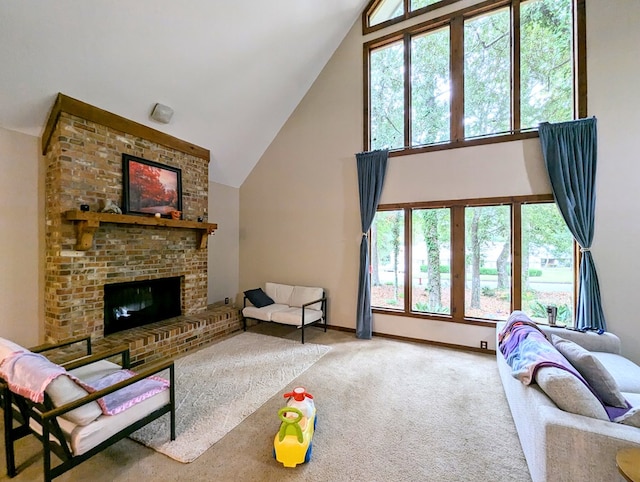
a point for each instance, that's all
(150, 188)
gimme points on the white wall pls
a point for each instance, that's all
(224, 249)
(299, 214)
(613, 47)
(21, 238)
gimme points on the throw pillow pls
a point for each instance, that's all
(569, 393)
(632, 417)
(592, 370)
(258, 298)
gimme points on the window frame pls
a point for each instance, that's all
(458, 253)
(407, 14)
(455, 21)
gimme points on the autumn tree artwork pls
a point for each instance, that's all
(150, 187)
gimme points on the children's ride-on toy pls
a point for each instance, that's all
(292, 444)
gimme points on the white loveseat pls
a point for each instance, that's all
(563, 446)
(298, 306)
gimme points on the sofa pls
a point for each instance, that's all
(80, 407)
(572, 443)
(298, 306)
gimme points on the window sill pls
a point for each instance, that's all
(463, 143)
(434, 317)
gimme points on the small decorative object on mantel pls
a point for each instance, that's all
(175, 214)
(110, 207)
(84, 207)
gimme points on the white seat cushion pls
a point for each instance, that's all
(265, 313)
(84, 438)
(95, 371)
(293, 316)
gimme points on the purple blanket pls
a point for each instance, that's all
(128, 396)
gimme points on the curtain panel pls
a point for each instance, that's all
(570, 155)
(372, 167)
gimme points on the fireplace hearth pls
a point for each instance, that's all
(137, 303)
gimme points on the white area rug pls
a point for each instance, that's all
(221, 385)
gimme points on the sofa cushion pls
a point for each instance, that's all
(569, 393)
(293, 316)
(304, 294)
(626, 373)
(263, 314)
(280, 293)
(258, 298)
(64, 390)
(592, 370)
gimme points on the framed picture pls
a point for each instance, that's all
(150, 187)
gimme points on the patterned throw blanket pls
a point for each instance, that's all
(526, 349)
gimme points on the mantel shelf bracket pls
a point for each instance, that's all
(88, 222)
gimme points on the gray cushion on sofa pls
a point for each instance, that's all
(626, 373)
(569, 393)
(592, 370)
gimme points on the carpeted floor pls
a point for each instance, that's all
(219, 386)
(387, 411)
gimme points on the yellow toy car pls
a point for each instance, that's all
(292, 444)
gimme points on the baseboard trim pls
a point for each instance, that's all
(417, 340)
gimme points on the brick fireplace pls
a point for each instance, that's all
(83, 148)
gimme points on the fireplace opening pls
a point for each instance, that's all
(138, 303)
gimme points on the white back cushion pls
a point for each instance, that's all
(63, 390)
(304, 294)
(279, 293)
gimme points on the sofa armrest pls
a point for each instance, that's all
(309, 303)
(148, 371)
(122, 350)
(53, 346)
(590, 340)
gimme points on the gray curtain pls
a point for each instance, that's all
(570, 154)
(372, 167)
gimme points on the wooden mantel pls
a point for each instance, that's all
(88, 222)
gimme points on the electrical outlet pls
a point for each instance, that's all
(483, 345)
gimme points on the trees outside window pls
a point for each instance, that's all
(487, 73)
(473, 260)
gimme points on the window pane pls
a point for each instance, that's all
(487, 74)
(387, 10)
(488, 262)
(547, 263)
(387, 97)
(430, 88)
(546, 61)
(431, 255)
(416, 4)
(387, 260)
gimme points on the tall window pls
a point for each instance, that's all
(381, 13)
(482, 74)
(473, 260)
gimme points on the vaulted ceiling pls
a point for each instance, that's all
(233, 71)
